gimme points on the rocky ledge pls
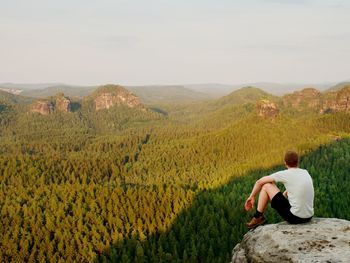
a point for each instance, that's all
(312, 99)
(43, 107)
(267, 109)
(308, 98)
(321, 240)
(63, 103)
(52, 104)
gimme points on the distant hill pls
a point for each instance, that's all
(10, 98)
(312, 100)
(231, 108)
(108, 96)
(243, 95)
(216, 90)
(25, 86)
(278, 89)
(238, 97)
(219, 112)
(109, 109)
(164, 94)
(240, 103)
(10, 90)
(153, 94)
(339, 86)
(168, 94)
(72, 91)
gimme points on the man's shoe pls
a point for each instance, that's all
(256, 222)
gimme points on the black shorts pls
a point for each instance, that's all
(282, 206)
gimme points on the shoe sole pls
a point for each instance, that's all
(261, 223)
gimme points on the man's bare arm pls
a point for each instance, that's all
(249, 204)
(259, 184)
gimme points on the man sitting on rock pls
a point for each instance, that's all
(295, 205)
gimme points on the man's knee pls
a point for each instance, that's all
(271, 189)
(267, 186)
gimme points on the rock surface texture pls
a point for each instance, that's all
(110, 95)
(308, 98)
(63, 104)
(42, 107)
(267, 109)
(338, 101)
(52, 104)
(311, 99)
(321, 240)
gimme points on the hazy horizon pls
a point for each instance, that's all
(174, 43)
(49, 84)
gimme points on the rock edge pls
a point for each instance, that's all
(321, 240)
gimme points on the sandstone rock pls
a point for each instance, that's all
(104, 101)
(312, 99)
(48, 106)
(63, 103)
(308, 98)
(338, 101)
(267, 109)
(321, 240)
(343, 99)
(111, 95)
(42, 107)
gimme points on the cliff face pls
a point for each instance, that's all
(312, 99)
(57, 103)
(321, 240)
(338, 101)
(110, 95)
(42, 107)
(308, 98)
(267, 109)
(63, 103)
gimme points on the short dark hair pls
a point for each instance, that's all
(291, 158)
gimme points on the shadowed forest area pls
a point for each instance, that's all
(208, 230)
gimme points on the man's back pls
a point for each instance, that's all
(299, 186)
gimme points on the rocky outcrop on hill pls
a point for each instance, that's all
(312, 99)
(42, 107)
(308, 98)
(267, 109)
(321, 240)
(338, 101)
(48, 106)
(63, 103)
(108, 96)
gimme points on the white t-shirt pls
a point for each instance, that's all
(298, 183)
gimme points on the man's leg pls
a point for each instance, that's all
(268, 191)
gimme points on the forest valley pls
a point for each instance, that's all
(107, 178)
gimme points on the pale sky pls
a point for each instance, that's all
(133, 42)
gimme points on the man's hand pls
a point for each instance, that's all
(249, 204)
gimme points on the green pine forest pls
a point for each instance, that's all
(166, 184)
